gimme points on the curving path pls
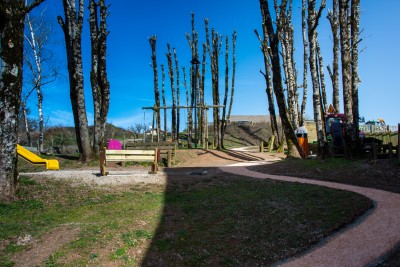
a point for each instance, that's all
(359, 244)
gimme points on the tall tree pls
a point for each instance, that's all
(216, 48)
(98, 73)
(294, 148)
(12, 17)
(333, 17)
(172, 81)
(163, 101)
(305, 61)
(153, 44)
(178, 94)
(225, 101)
(355, 80)
(36, 58)
(72, 27)
(312, 21)
(189, 113)
(345, 53)
(234, 36)
(193, 41)
(285, 32)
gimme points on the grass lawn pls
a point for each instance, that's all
(218, 221)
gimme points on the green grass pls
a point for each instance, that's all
(224, 222)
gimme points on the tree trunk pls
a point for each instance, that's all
(294, 148)
(225, 102)
(72, 27)
(153, 42)
(233, 75)
(171, 77)
(313, 18)
(26, 123)
(164, 102)
(346, 59)
(98, 74)
(38, 79)
(193, 40)
(216, 47)
(305, 63)
(178, 95)
(268, 81)
(286, 34)
(355, 25)
(201, 93)
(189, 114)
(333, 18)
(12, 37)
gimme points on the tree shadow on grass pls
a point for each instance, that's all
(221, 219)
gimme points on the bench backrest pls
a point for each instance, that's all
(131, 155)
(159, 145)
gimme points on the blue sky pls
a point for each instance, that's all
(131, 77)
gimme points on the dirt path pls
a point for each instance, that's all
(359, 244)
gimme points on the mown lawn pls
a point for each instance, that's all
(220, 220)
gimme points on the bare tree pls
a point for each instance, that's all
(268, 80)
(305, 62)
(313, 19)
(225, 101)
(294, 148)
(39, 64)
(98, 74)
(355, 80)
(345, 47)
(72, 28)
(178, 94)
(333, 17)
(320, 62)
(163, 100)
(189, 114)
(234, 36)
(285, 32)
(12, 17)
(153, 43)
(172, 78)
(216, 48)
(193, 41)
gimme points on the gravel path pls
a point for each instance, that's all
(359, 244)
(93, 177)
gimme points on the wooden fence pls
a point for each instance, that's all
(390, 142)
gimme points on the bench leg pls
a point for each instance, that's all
(154, 168)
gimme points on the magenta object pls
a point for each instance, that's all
(114, 144)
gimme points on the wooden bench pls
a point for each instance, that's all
(167, 149)
(136, 155)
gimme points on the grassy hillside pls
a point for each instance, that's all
(236, 135)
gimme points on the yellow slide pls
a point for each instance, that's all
(51, 164)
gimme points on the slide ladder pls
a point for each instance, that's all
(51, 164)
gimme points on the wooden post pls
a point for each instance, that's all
(261, 146)
(374, 151)
(271, 143)
(390, 147)
(398, 142)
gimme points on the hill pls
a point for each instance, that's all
(63, 138)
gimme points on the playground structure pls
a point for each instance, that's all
(50, 164)
(204, 114)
